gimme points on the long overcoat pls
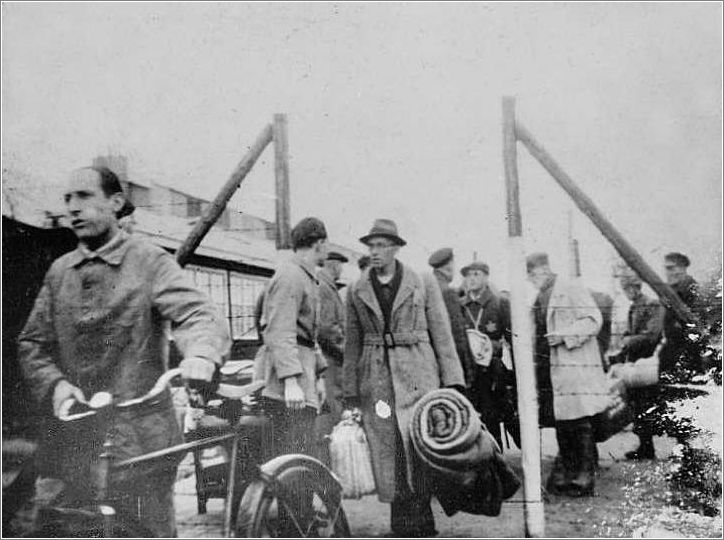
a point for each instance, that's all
(579, 383)
(422, 360)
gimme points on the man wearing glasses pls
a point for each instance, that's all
(399, 347)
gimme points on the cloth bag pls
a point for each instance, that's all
(641, 373)
(617, 415)
(350, 456)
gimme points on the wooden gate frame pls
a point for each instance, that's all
(514, 131)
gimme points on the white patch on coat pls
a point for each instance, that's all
(383, 409)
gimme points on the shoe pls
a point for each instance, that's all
(644, 451)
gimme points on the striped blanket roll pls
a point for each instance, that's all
(449, 437)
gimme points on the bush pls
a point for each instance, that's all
(696, 483)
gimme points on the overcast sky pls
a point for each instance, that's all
(394, 111)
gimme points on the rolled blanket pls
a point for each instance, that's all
(465, 462)
(448, 435)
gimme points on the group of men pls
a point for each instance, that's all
(97, 324)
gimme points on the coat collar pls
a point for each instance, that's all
(112, 252)
(367, 294)
(325, 278)
(304, 265)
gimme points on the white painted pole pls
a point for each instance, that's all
(522, 335)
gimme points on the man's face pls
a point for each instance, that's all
(476, 280)
(631, 291)
(382, 251)
(448, 270)
(674, 272)
(334, 268)
(91, 212)
(538, 276)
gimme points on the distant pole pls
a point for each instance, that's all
(216, 208)
(668, 297)
(475, 256)
(574, 260)
(281, 173)
(522, 335)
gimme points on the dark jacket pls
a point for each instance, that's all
(451, 298)
(645, 324)
(495, 319)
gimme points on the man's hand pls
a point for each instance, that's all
(63, 392)
(197, 369)
(293, 394)
(321, 390)
(554, 339)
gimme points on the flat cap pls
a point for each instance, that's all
(440, 257)
(483, 267)
(308, 231)
(679, 259)
(336, 256)
(534, 260)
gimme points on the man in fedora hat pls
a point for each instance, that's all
(399, 347)
(331, 341)
(486, 316)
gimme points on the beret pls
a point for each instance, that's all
(440, 257)
(483, 267)
(678, 258)
(307, 231)
(534, 260)
(336, 256)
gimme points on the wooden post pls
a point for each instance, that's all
(574, 259)
(522, 335)
(218, 205)
(281, 173)
(668, 297)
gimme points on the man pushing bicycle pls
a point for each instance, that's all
(97, 325)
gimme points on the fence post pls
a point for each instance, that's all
(522, 335)
(218, 205)
(281, 174)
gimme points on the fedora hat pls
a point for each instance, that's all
(385, 228)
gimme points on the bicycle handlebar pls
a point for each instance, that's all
(103, 400)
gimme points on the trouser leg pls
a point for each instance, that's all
(410, 513)
(585, 449)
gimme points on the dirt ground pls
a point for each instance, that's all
(628, 496)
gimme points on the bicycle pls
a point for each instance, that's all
(291, 495)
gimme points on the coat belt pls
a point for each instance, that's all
(392, 339)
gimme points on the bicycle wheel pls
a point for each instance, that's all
(296, 496)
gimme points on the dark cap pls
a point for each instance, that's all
(308, 231)
(534, 260)
(483, 267)
(363, 262)
(679, 259)
(385, 228)
(336, 256)
(440, 257)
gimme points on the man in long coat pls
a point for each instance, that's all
(399, 347)
(443, 264)
(567, 318)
